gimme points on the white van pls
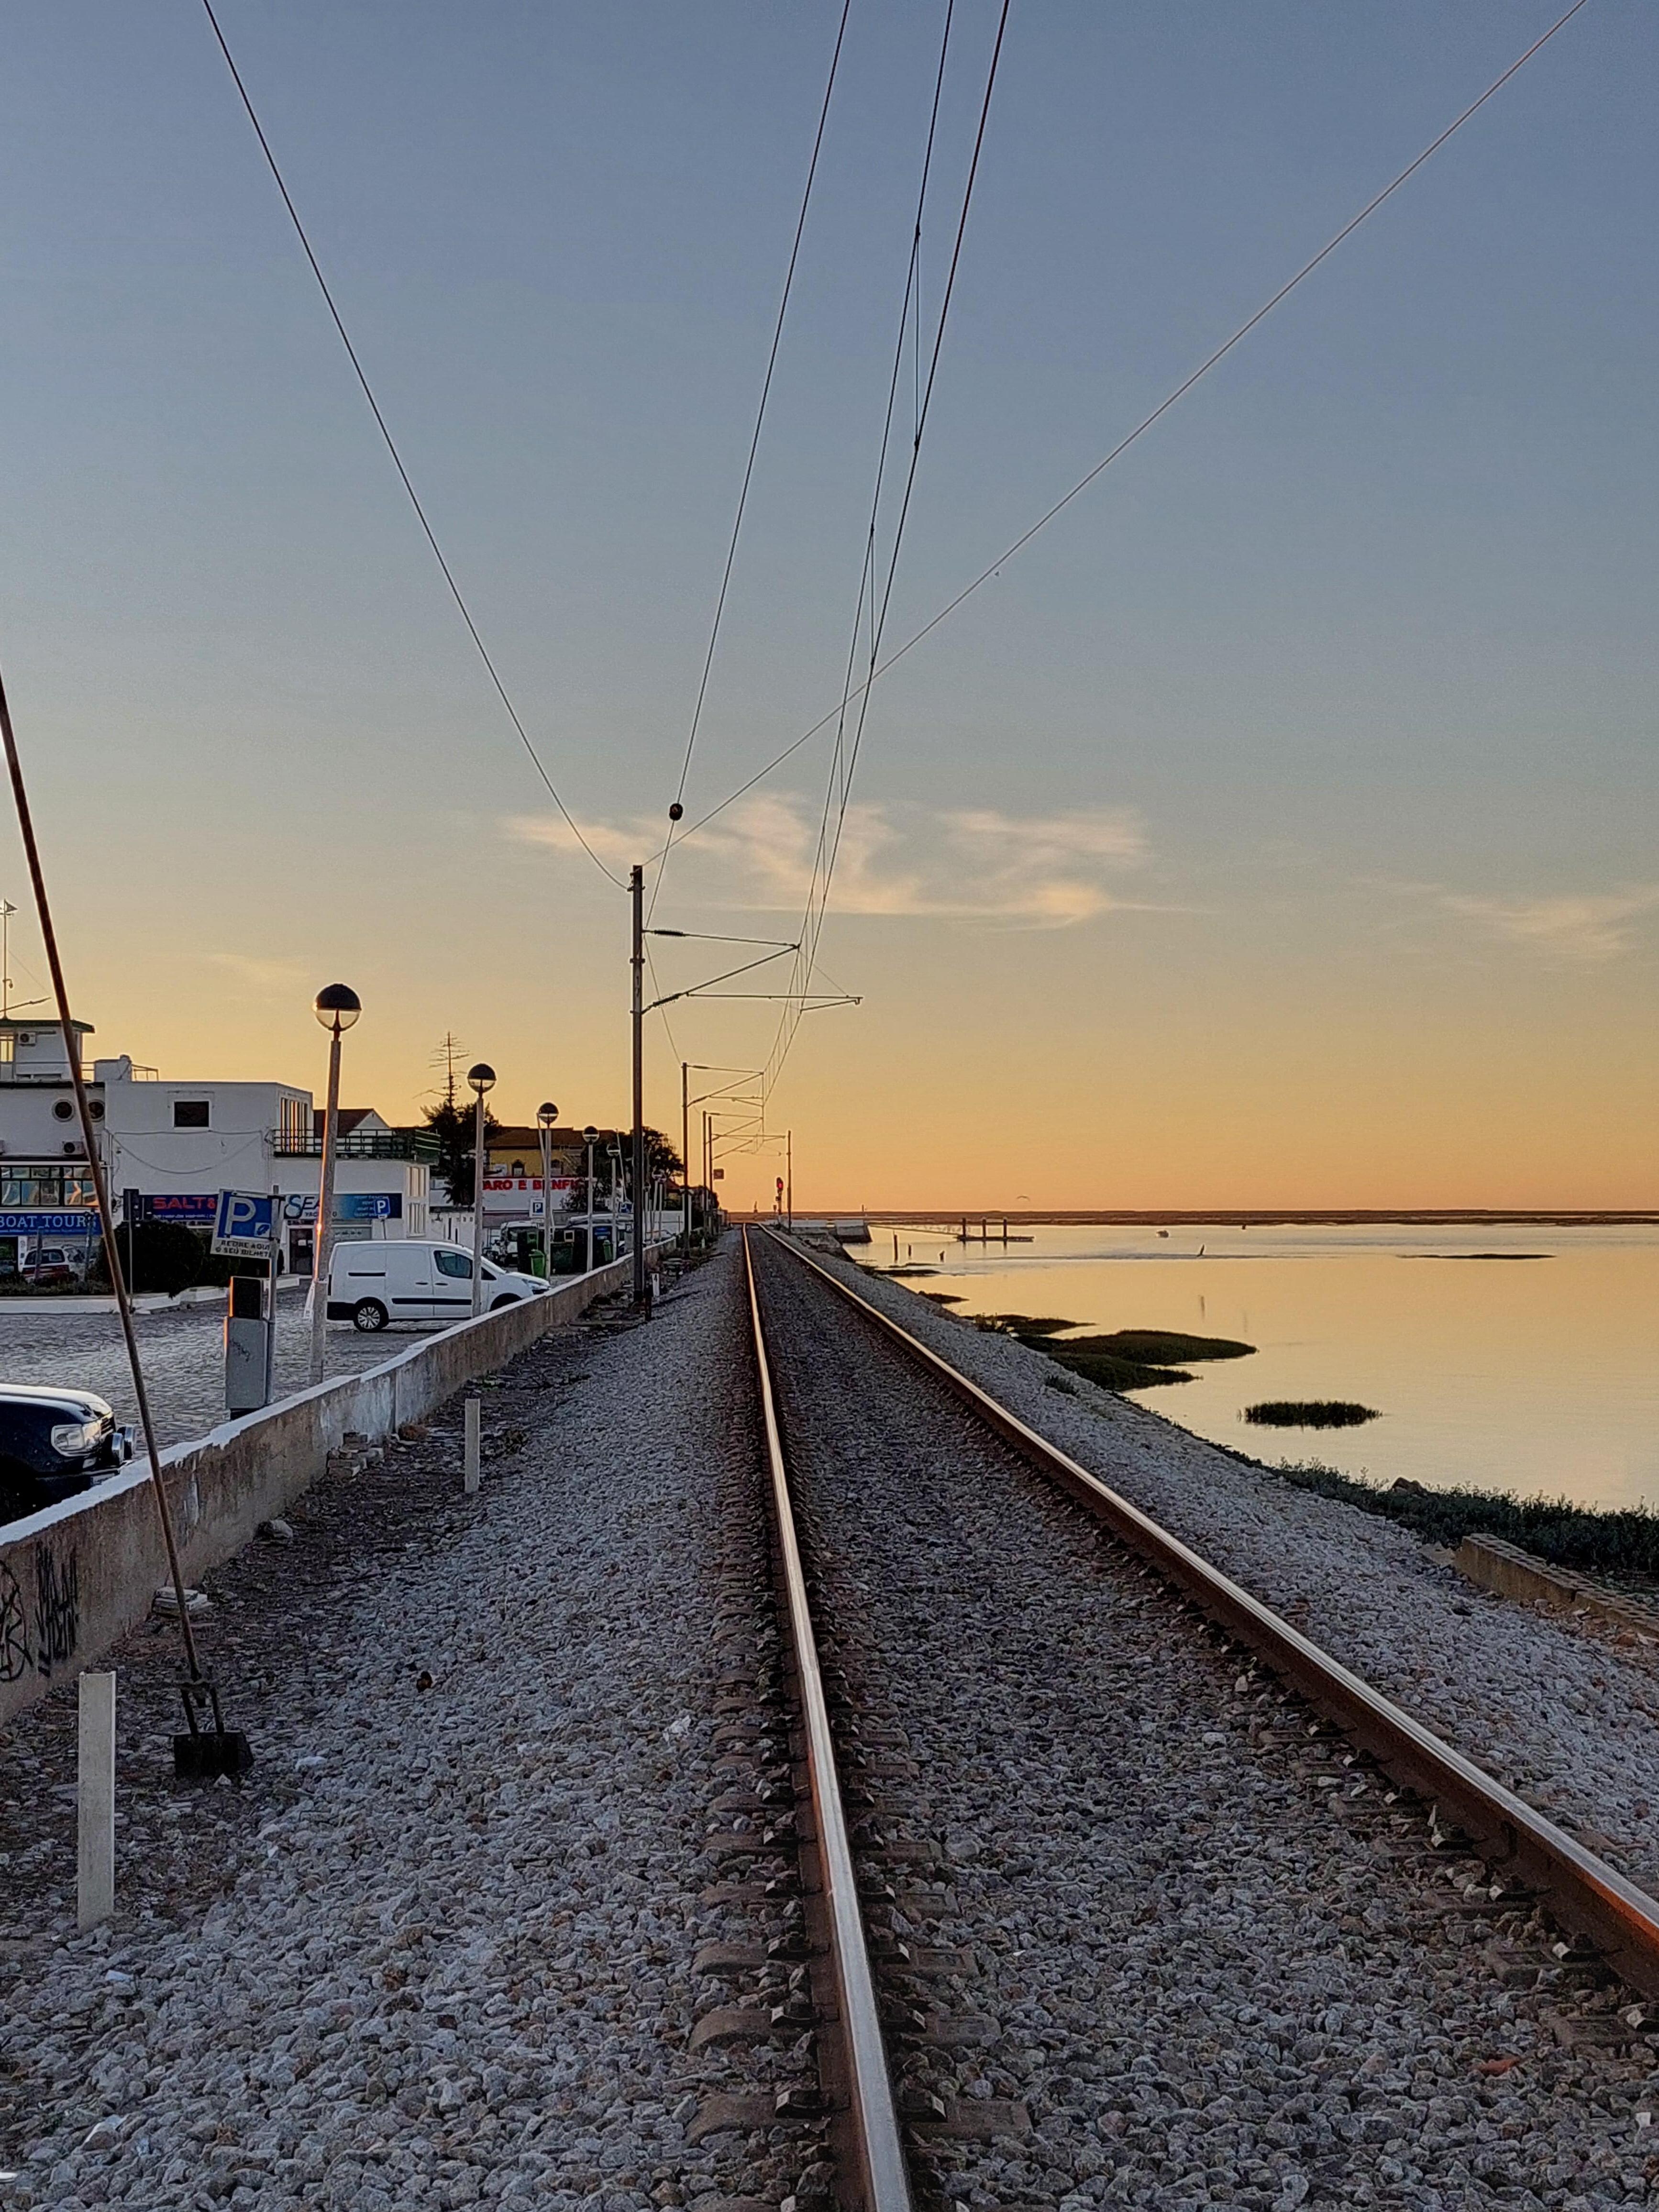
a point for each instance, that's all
(371, 1283)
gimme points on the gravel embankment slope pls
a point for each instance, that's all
(1215, 1966)
(451, 1959)
(1568, 1722)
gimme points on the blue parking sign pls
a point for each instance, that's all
(244, 1224)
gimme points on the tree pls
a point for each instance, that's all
(455, 1127)
(660, 1157)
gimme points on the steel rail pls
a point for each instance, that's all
(885, 2185)
(1585, 1895)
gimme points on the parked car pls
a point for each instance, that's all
(50, 1264)
(54, 1444)
(402, 1280)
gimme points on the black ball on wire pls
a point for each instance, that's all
(675, 811)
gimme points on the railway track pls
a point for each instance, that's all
(1083, 1898)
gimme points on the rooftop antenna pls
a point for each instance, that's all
(7, 910)
(450, 1050)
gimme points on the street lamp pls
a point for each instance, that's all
(546, 1114)
(481, 1076)
(337, 1006)
(590, 1137)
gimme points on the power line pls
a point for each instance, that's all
(754, 448)
(812, 924)
(397, 458)
(1141, 428)
(867, 574)
(868, 569)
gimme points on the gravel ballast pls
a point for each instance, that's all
(1213, 1962)
(442, 1952)
(1567, 1719)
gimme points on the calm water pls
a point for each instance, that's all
(1540, 1375)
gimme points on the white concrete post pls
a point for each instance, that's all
(473, 1445)
(96, 1776)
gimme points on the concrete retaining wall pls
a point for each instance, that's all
(1506, 1568)
(75, 1578)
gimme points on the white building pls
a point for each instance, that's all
(168, 1148)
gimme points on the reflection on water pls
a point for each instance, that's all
(1531, 1374)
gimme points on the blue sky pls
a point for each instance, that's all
(1342, 679)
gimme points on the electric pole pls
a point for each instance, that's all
(685, 1154)
(636, 890)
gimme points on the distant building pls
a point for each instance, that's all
(513, 1187)
(168, 1148)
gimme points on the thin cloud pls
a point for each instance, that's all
(966, 865)
(272, 979)
(1575, 926)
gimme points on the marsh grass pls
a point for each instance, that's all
(1309, 1413)
(1101, 1367)
(1624, 1541)
(1127, 1359)
(1159, 1347)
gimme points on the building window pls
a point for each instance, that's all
(190, 1113)
(294, 1130)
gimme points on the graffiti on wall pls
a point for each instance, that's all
(56, 1608)
(15, 1655)
(42, 1638)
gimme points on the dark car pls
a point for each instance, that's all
(54, 1444)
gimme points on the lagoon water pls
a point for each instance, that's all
(1539, 1375)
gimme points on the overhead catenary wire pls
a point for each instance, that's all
(391, 445)
(867, 572)
(754, 448)
(910, 302)
(843, 768)
(1146, 422)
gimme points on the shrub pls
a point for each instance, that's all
(1624, 1540)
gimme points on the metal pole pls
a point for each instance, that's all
(685, 1156)
(789, 1171)
(636, 888)
(100, 1190)
(547, 1201)
(270, 1320)
(479, 1168)
(322, 1241)
(588, 1232)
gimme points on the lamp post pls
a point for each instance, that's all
(337, 1006)
(546, 1114)
(481, 1078)
(590, 1137)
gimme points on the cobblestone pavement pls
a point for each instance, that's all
(183, 1352)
